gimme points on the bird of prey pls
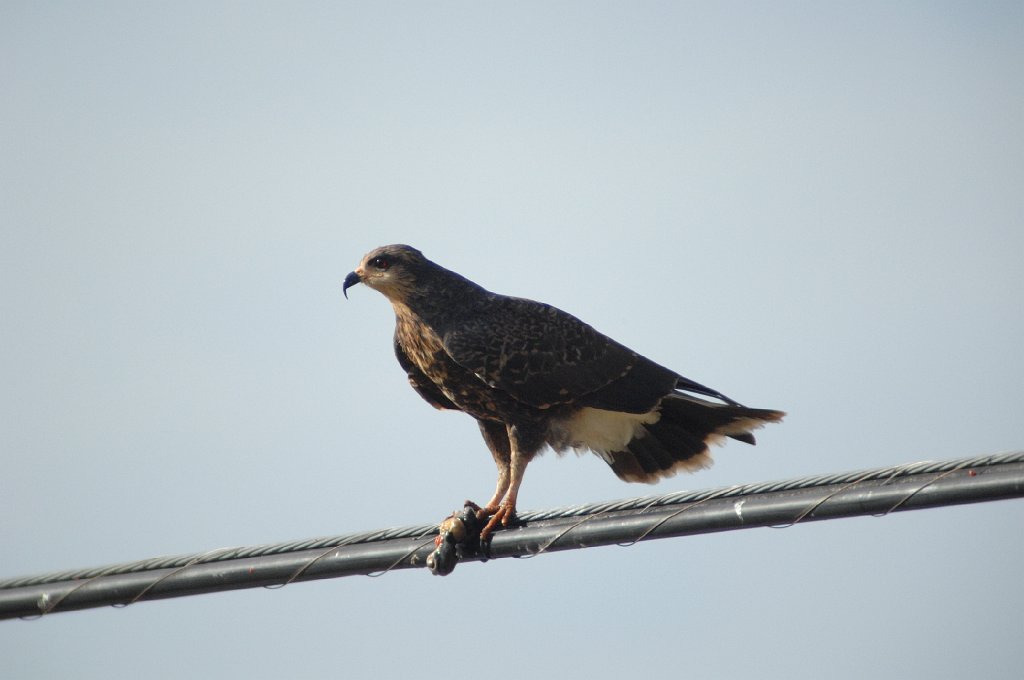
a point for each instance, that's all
(532, 375)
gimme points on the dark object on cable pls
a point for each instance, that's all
(533, 375)
(458, 537)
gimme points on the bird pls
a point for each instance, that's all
(534, 376)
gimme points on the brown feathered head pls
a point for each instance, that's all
(390, 270)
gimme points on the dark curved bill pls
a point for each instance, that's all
(350, 280)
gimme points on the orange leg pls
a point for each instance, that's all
(502, 507)
(495, 435)
(499, 493)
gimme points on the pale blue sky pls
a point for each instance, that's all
(815, 207)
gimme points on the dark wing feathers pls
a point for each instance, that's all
(639, 391)
(543, 356)
(687, 385)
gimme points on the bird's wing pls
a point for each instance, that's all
(537, 353)
(423, 385)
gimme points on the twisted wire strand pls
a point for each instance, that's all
(889, 473)
(683, 499)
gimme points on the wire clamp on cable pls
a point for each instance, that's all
(458, 536)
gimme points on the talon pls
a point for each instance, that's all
(485, 533)
(504, 515)
(484, 512)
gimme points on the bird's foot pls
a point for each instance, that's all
(504, 515)
(482, 512)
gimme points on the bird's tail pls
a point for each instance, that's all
(679, 439)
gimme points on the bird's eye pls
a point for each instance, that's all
(380, 263)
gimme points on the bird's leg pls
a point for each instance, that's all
(505, 512)
(499, 493)
(496, 437)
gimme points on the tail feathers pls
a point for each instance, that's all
(680, 437)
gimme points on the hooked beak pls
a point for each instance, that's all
(350, 280)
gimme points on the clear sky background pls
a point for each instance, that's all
(816, 207)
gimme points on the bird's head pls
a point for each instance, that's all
(391, 270)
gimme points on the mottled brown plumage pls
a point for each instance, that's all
(533, 375)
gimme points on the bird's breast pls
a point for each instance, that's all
(420, 343)
(424, 348)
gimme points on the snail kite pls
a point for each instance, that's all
(532, 375)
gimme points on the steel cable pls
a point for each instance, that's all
(625, 522)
